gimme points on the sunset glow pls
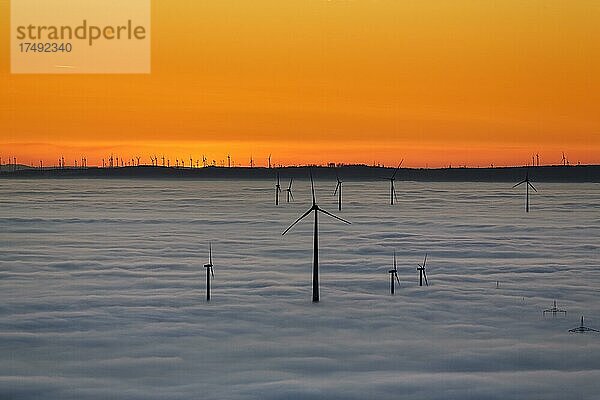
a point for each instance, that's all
(437, 83)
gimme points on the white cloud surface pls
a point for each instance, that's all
(102, 292)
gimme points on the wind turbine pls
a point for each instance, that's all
(392, 179)
(277, 190)
(289, 191)
(554, 310)
(422, 273)
(393, 273)
(527, 185)
(209, 271)
(338, 191)
(316, 209)
(582, 329)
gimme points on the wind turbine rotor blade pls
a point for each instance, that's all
(336, 188)
(334, 216)
(395, 195)
(425, 260)
(520, 183)
(291, 195)
(295, 222)
(398, 279)
(397, 169)
(531, 186)
(210, 253)
(425, 276)
(212, 272)
(312, 186)
(291, 181)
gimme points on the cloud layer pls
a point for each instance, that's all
(102, 292)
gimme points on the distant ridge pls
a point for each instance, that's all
(579, 173)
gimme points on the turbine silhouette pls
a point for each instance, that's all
(209, 271)
(338, 191)
(527, 186)
(393, 273)
(392, 179)
(554, 310)
(289, 191)
(422, 274)
(582, 329)
(277, 190)
(316, 209)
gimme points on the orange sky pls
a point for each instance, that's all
(435, 82)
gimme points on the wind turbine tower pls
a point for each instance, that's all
(393, 274)
(209, 271)
(277, 190)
